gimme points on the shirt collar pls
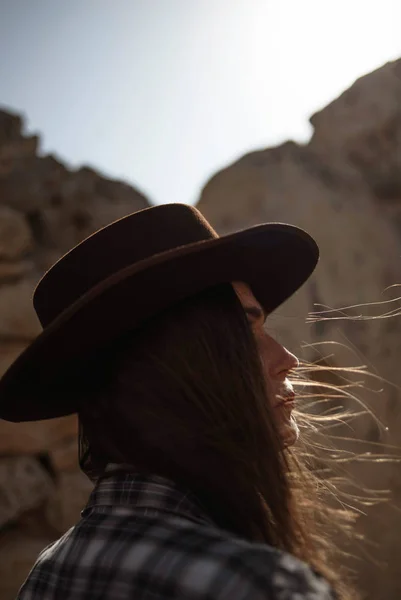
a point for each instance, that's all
(150, 493)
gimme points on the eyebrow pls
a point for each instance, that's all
(256, 311)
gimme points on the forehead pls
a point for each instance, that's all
(245, 294)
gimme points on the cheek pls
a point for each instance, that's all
(265, 354)
(266, 372)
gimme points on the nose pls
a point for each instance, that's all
(292, 360)
(286, 361)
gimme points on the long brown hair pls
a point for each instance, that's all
(184, 397)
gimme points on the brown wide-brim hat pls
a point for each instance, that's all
(128, 272)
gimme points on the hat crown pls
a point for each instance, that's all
(129, 240)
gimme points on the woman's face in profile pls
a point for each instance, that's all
(277, 363)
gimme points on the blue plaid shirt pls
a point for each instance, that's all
(143, 538)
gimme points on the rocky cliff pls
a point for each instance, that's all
(344, 187)
(45, 209)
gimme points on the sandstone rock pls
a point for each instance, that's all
(18, 552)
(18, 320)
(37, 437)
(24, 485)
(64, 455)
(8, 353)
(11, 153)
(366, 107)
(362, 128)
(10, 127)
(15, 235)
(12, 271)
(69, 498)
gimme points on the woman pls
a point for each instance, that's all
(154, 332)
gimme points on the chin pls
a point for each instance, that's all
(289, 432)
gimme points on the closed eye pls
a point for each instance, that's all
(256, 313)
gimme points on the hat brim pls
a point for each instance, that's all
(274, 259)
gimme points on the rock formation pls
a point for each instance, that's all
(45, 209)
(344, 187)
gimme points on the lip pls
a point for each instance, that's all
(288, 401)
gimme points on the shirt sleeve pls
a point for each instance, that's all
(294, 580)
(254, 574)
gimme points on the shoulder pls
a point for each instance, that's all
(121, 557)
(233, 569)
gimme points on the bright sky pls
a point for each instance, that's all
(162, 93)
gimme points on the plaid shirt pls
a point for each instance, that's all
(143, 538)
